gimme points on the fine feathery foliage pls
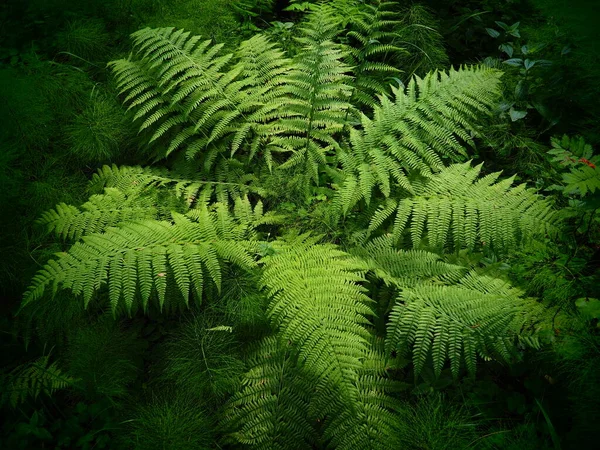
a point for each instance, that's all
(458, 210)
(478, 316)
(429, 120)
(318, 305)
(142, 259)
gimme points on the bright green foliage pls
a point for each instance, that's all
(404, 268)
(317, 109)
(97, 214)
(230, 182)
(478, 316)
(324, 371)
(193, 98)
(270, 411)
(32, 379)
(581, 181)
(318, 305)
(457, 208)
(141, 259)
(415, 130)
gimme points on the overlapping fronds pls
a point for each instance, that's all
(404, 268)
(229, 182)
(270, 411)
(372, 51)
(317, 304)
(98, 213)
(32, 379)
(478, 316)
(316, 110)
(372, 422)
(143, 259)
(194, 98)
(425, 122)
(455, 207)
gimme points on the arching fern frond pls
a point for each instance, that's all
(317, 304)
(318, 90)
(404, 268)
(270, 411)
(478, 316)
(415, 130)
(372, 51)
(456, 207)
(142, 259)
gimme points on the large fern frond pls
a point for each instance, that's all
(373, 421)
(143, 259)
(478, 316)
(372, 51)
(316, 110)
(195, 98)
(427, 121)
(318, 305)
(456, 207)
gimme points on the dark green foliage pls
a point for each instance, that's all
(170, 422)
(352, 234)
(104, 358)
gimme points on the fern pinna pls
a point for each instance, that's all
(326, 371)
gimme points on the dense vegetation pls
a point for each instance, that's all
(294, 224)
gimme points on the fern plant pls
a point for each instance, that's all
(325, 368)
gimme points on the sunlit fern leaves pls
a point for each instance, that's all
(404, 268)
(316, 110)
(456, 209)
(270, 411)
(478, 316)
(318, 305)
(99, 212)
(429, 120)
(193, 98)
(31, 379)
(142, 259)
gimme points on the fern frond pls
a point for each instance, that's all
(317, 304)
(454, 207)
(195, 98)
(270, 411)
(32, 379)
(373, 421)
(142, 259)
(404, 268)
(478, 316)
(423, 124)
(98, 213)
(372, 51)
